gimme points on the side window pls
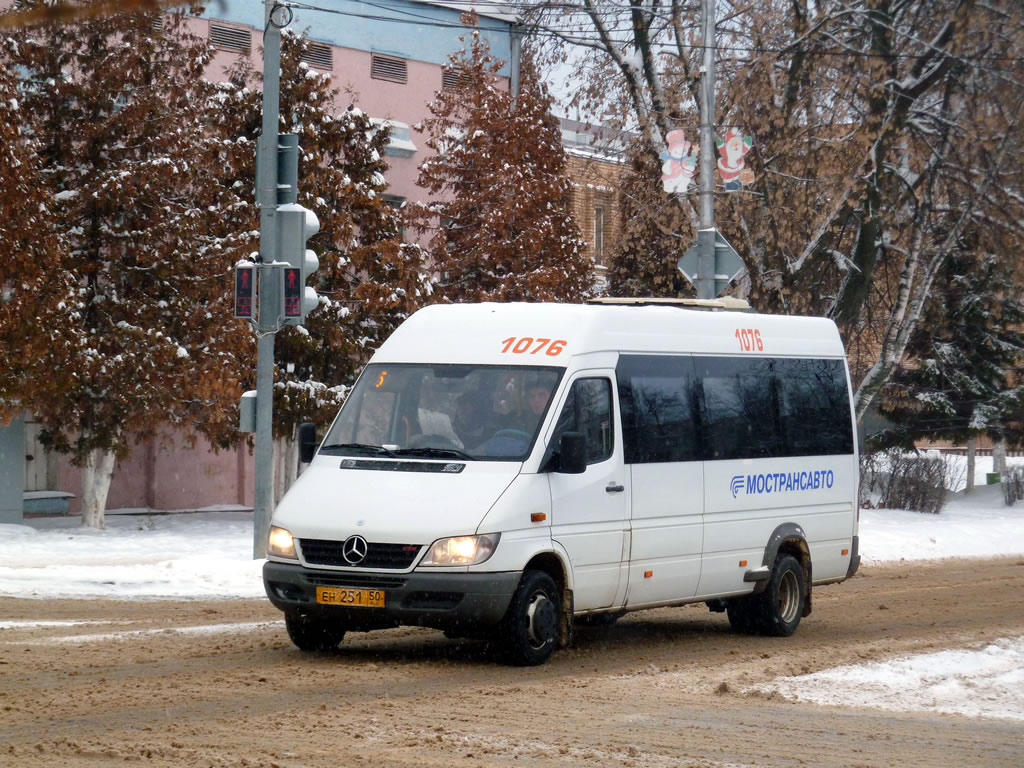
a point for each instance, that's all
(814, 407)
(740, 408)
(588, 409)
(660, 404)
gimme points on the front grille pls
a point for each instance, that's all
(390, 556)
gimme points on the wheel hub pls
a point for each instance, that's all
(543, 621)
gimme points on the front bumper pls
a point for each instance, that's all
(450, 601)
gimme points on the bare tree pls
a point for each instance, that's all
(885, 132)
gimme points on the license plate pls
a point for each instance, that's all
(368, 598)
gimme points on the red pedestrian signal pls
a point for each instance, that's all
(245, 279)
(292, 292)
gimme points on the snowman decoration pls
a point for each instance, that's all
(731, 164)
(679, 164)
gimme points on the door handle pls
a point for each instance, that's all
(613, 488)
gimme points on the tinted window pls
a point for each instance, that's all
(740, 408)
(588, 409)
(660, 408)
(814, 407)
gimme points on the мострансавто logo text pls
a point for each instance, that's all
(778, 482)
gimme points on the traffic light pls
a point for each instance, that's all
(245, 286)
(295, 225)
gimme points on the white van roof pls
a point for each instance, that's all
(492, 333)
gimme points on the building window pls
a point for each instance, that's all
(388, 68)
(319, 55)
(400, 142)
(454, 78)
(230, 38)
(599, 235)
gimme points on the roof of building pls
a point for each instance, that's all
(492, 9)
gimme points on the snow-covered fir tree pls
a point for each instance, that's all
(968, 353)
(500, 226)
(117, 106)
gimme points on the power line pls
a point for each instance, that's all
(585, 37)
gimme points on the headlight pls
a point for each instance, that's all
(462, 550)
(281, 543)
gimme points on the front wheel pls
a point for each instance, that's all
(530, 629)
(312, 634)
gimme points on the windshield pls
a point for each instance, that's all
(480, 412)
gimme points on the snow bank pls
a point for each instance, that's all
(986, 681)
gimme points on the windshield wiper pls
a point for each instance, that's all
(435, 453)
(373, 450)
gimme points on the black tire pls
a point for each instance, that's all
(312, 634)
(529, 632)
(777, 610)
(739, 613)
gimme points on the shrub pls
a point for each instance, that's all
(1013, 484)
(916, 482)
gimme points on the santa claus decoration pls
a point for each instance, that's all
(733, 148)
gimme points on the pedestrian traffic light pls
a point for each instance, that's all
(295, 225)
(245, 286)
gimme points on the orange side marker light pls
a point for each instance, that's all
(648, 574)
(538, 517)
(743, 563)
(846, 551)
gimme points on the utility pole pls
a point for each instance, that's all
(706, 235)
(270, 294)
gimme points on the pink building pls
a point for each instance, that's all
(390, 58)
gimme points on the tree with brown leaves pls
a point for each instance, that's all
(500, 226)
(117, 111)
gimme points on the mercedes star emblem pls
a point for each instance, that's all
(354, 549)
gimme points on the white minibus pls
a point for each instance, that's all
(509, 470)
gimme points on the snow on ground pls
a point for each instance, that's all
(137, 556)
(978, 524)
(985, 682)
(208, 555)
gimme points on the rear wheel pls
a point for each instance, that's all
(309, 633)
(778, 609)
(529, 633)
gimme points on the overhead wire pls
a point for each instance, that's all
(580, 36)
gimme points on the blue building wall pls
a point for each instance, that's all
(401, 28)
(12, 470)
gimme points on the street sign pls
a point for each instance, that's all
(728, 263)
(293, 291)
(245, 281)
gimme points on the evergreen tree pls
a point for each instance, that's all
(369, 280)
(117, 106)
(968, 354)
(501, 223)
(654, 235)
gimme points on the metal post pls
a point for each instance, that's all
(269, 297)
(706, 237)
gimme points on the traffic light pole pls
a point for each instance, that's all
(706, 236)
(269, 294)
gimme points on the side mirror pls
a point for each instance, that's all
(307, 441)
(572, 454)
